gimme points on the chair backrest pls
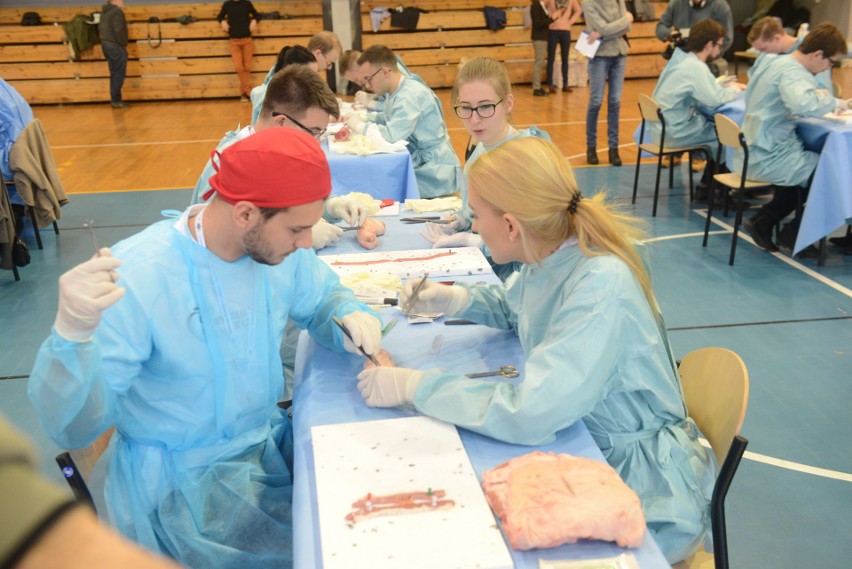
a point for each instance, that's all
(77, 465)
(649, 109)
(838, 90)
(728, 131)
(715, 386)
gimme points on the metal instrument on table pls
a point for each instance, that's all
(424, 219)
(343, 327)
(505, 371)
(412, 300)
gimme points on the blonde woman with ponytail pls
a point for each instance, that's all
(585, 313)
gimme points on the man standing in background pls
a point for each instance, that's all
(239, 20)
(681, 15)
(113, 32)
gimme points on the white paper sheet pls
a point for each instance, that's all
(386, 457)
(454, 262)
(586, 48)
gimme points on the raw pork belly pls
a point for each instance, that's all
(545, 500)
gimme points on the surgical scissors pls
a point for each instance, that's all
(505, 371)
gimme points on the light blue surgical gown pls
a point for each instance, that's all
(688, 96)
(186, 367)
(823, 78)
(413, 113)
(594, 352)
(202, 186)
(15, 115)
(780, 91)
(502, 271)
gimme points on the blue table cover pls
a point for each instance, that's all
(380, 175)
(829, 203)
(326, 393)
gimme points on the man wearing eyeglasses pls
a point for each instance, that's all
(780, 91)
(297, 98)
(688, 95)
(410, 112)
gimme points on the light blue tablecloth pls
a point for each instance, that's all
(380, 175)
(326, 393)
(829, 203)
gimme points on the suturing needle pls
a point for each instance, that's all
(89, 224)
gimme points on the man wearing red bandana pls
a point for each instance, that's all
(172, 337)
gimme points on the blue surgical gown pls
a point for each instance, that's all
(186, 367)
(780, 91)
(688, 96)
(594, 352)
(202, 186)
(823, 78)
(413, 113)
(501, 270)
(15, 114)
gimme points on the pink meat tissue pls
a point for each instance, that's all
(547, 499)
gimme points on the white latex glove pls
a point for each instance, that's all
(366, 331)
(355, 123)
(324, 233)
(435, 297)
(84, 293)
(462, 239)
(349, 209)
(389, 386)
(362, 98)
(847, 104)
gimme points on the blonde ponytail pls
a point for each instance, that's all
(529, 178)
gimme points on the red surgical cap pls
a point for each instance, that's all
(275, 168)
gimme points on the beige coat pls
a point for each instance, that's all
(35, 174)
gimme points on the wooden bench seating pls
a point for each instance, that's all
(454, 29)
(193, 61)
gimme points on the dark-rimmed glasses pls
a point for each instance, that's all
(834, 62)
(313, 132)
(369, 79)
(484, 111)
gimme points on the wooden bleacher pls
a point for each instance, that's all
(455, 29)
(193, 61)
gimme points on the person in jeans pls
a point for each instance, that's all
(609, 21)
(560, 34)
(113, 32)
(541, 20)
(238, 19)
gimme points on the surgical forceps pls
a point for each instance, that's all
(505, 371)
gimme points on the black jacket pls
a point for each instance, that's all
(540, 22)
(113, 26)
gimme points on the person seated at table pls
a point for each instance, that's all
(591, 329)
(364, 97)
(15, 115)
(179, 351)
(289, 55)
(782, 90)
(767, 36)
(688, 94)
(411, 112)
(326, 48)
(483, 100)
(296, 98)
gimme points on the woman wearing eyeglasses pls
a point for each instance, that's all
(482, 98)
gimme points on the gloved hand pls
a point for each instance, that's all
(355, 123)
(324, 233)
(84, 293)
(462, 239)
(456, 223)
(435, 297)
(349, 209)
(366, 331)
(363, 98)
(389, 386)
